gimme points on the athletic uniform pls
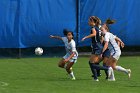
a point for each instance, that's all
(96, 42)
(106, 52)
(70, 48)
(113, 46)
(115, 53)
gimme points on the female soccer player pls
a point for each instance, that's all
(110, 42)
(71, 56)
(95, 58)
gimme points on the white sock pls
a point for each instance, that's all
(119, 68)
(72, 75)
(112, 75)
(65, 66)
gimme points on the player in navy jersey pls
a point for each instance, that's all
(71, 53)
(97, 47)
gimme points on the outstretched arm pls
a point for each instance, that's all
(56, 37)
(91, 35)
(119, 40)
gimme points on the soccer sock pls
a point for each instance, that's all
(105, 70)
(112, 74)
(98, 70)
(94, 72)
(98, 67)
(65, 66)
(119, 68)
(72, 75)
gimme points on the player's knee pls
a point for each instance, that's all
(114, 67)
(60, 65)
(67, 68)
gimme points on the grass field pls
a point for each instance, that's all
(41, 75)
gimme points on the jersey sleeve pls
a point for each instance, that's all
(107, 36)
(73, 47)
(64, 39)
(114, 36)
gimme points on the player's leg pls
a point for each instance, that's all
(94, 67)
(105, 60)
(98, 71)
(69, 70)
(109, 63)
(106, 56)
(93, 59)
(119, 68)
(61, 63)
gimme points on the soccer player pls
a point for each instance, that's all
(110, 42)
(71, 53)
(97, 46)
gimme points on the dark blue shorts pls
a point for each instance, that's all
(97, 48)
(106, 53)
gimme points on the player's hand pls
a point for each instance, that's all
(51, 36)
(101, 55)
(83, 39)
(122, 45)
(66, 60)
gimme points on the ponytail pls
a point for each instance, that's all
(109, 21)
(96, 20)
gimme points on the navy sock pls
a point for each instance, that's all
(105, 71)
(98, 67)
(94, 71)
(98, 70)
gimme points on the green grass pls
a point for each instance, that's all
(41, 75)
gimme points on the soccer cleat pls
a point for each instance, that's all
(129, 73)
(106, 78)
(73, 78)
(96, 80)
(111, 79)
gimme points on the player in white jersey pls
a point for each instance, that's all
(110, 42)
(71, 53)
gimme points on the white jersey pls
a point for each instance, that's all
(70, 47)
(113, 46)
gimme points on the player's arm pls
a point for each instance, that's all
(72, 55)
(91, 35)
(56, 37)
(102, 39)
(106, 40)
(105, 46)
(73, 52)
(119, 41)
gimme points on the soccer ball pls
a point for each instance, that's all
(38, 51)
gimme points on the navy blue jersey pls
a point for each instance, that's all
(96, 39)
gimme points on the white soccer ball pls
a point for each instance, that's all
(38, 51)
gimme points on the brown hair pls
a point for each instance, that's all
(109, 22)
(96, 20)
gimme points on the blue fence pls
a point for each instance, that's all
(28, 23)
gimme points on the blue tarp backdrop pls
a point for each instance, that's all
(28, 23)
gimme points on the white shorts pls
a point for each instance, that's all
(116, 54)
(73, 59)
